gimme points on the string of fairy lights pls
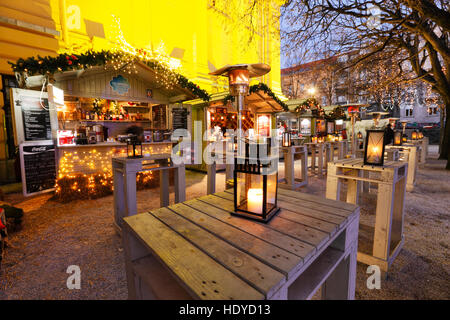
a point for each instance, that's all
(97, 177)
(125, 57)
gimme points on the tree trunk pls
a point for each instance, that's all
(445, 147)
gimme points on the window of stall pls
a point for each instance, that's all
(263, 125)
(305, 126)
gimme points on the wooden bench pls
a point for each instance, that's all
(198, 250)
(378, 245)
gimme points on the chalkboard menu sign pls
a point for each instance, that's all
(38, 168)
(32, 115)
(179, 118)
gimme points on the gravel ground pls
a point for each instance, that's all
(56, 235)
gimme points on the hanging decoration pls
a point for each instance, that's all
(310, 104)
(118, 60)
(338, 113)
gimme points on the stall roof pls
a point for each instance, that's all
(258, 101)
(145, 80)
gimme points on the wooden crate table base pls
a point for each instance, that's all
(410, 155)
(318, 152)
(290, 181)
(386, 237)
(198, 250)
(211, 171)
(125, 170)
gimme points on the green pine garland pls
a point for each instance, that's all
(310, 104)
(67, 62)
(260, 87)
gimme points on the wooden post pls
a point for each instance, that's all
(125, 171)
(333, 190)
(164, 187)
(383, 221)
(211, 178)
(180, 183)
(321, 159)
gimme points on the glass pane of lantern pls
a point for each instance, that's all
(250, 192)
(374, 152)
(271, 191)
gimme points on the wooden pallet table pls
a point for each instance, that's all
(410, 154)
(389, 154)
(290, 181)
(318, 152)
(423, 143)
(124, 175)
(341, 147)
(198, 250)
(378, 245)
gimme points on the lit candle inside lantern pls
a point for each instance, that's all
(255, 200)
(375, 154)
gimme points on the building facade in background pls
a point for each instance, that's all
(331, 84)
(195, 34)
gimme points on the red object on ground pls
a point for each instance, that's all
(2, 226)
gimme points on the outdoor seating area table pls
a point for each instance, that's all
(409, 154)
(290, 181)
(198, 250)
(318, 152)
(380, 244)
(342, 148)
(125, 170)
(423, 143)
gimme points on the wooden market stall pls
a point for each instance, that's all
(102, 105)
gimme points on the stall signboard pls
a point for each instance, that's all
(32, 115)
(120, 84)
(38, 167)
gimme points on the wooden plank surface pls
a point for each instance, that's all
(301, 232)
(270, 254)
(262, 231)
(203, 277)
(257, 274)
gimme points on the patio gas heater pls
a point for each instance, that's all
(353, 111)
(238, 80)
(376, 116)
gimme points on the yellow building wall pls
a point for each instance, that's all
(194, 31)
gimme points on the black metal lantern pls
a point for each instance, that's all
(255, 183)
(398, 138)
(414, 135)
(405, 138)
(286, 139)
(134, 148)
(420, 135)
(359, 136)
(374, 151)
